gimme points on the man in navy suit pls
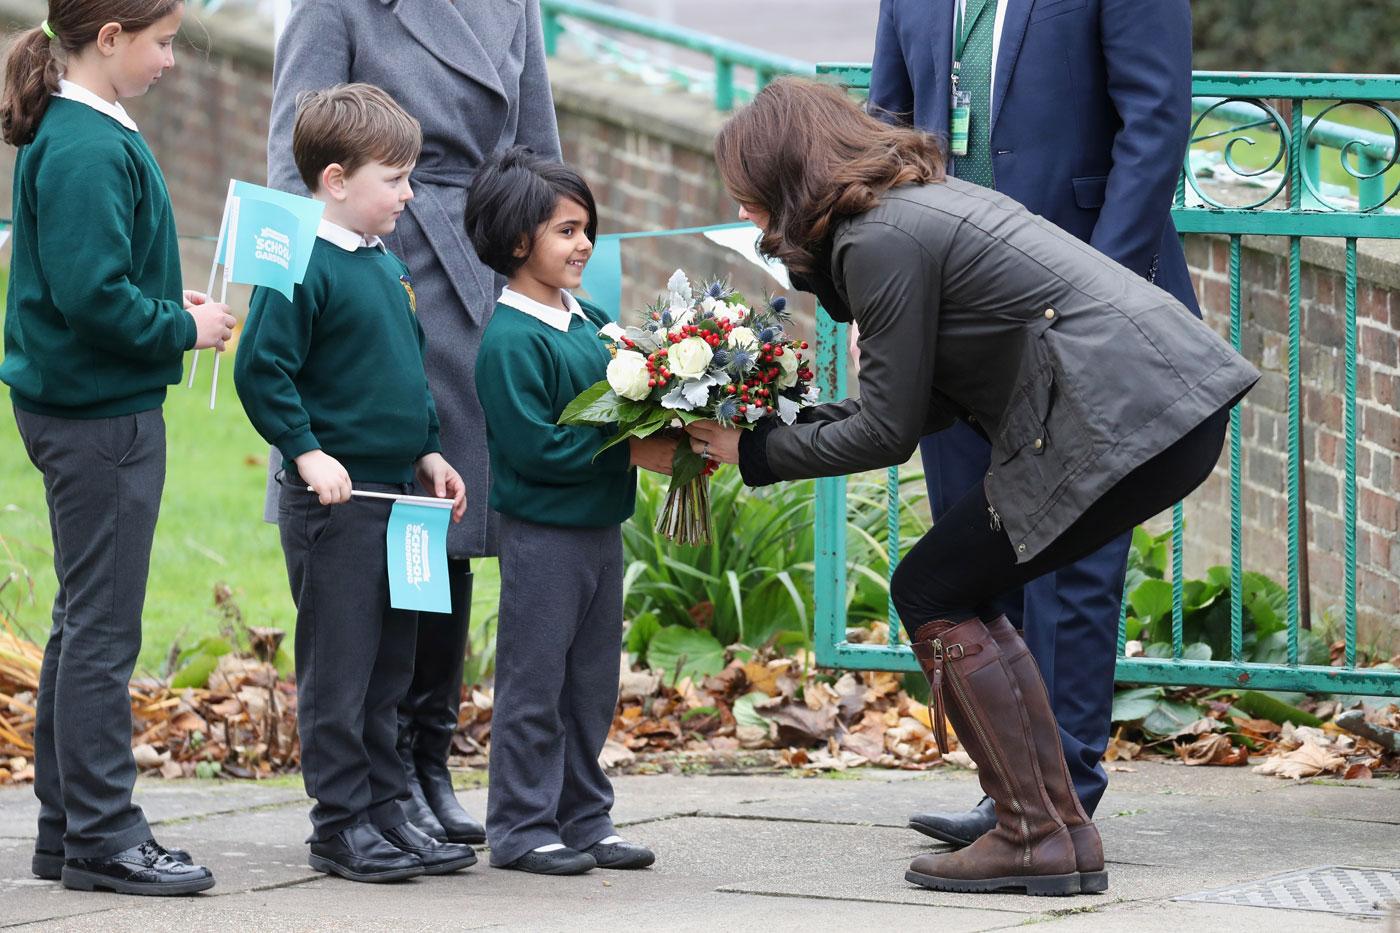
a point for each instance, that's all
(1080, 110)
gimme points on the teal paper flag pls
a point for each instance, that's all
(417, 549)
(602, 277)
(268, 236)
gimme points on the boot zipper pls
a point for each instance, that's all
(1016, 807)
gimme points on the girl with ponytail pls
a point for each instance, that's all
(95, 328)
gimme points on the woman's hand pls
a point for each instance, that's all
(437, 475)
(714, 441)
(653, 453)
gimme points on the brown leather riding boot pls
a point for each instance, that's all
(1088, 848)
(1030, 849)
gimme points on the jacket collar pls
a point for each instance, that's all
(447, 35)
(79, 94)
(556, 318)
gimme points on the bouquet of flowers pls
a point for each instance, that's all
(700, 354)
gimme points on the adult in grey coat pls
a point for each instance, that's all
(1104, 398)
(474, 75)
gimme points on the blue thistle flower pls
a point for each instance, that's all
(777, 304)
(726, 410)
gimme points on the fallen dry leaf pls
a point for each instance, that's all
(1307, 760)
(1214, 749)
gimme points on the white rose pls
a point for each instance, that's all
(741, 338)
(787, 368)
(627, 374)
(689, 358)
(724, 311)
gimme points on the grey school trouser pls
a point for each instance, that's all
(102, 480)
(558, 649)
(354, 657)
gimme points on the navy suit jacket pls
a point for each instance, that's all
(1090, 115)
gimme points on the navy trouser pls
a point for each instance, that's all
(1069, 617)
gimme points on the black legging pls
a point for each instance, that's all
(962, 564)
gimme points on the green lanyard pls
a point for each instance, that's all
(960, 111)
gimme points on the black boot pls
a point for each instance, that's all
(416, 806)
(957, 829)
(428, 713)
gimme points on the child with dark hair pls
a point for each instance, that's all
(559, 634)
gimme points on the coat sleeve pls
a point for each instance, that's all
(891, 90)
(1147, 54)
(316, 51)
(893, 286)
(538, 127)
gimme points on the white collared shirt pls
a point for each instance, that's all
(996, 40)
(346, 238)
(79, 94)
(557, 318)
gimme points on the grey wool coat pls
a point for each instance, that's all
(969, 306)
(474, 75)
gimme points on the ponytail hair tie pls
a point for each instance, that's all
(48, 30)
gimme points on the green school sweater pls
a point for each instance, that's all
(340, 367)
(95, 322)
(527, 372)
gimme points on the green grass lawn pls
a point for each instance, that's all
(210, 531)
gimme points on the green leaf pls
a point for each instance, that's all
(1265, 706)
(195, 672)
(209, 644)
(1169, 717)
(698, 711)
(1196, 651)
(597, 404)
(686, 465)
(1132, 705)
(640, 632)
(746, 715)
(1151, 600)
(677, 652)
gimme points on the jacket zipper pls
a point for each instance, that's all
(995, 518)
(1016, 807)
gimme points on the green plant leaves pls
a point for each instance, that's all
(677, 652)
(640, 632)
(596, 405)
(195, 664)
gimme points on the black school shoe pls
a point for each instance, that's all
(49, 865)
(557, 862)
(438, 858)
(143, 869)
(361, 853)
(621, 855)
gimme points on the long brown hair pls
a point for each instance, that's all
(35, 62)
(806, 154)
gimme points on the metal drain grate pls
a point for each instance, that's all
(1333, 888)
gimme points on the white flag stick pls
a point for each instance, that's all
(219, 354)
(419, 500)
(231, 224)
(214, 269)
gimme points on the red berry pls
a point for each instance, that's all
(743, 409)
(651, 383)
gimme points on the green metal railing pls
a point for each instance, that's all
(1295, 204)
(726, 56)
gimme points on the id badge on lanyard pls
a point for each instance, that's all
(960, 105)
